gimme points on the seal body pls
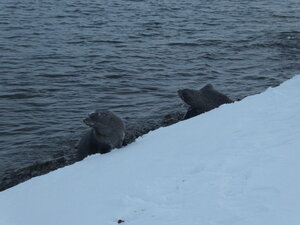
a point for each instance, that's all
(203, 100)
(107, 132)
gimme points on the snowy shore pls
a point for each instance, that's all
(235, 165)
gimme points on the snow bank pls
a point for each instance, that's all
(236, 165)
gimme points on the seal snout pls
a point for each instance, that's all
(88, 121)
(179, 92)
(91, 113)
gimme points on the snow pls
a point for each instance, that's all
(235, 165)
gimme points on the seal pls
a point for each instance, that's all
(107, 132)
(203, 100)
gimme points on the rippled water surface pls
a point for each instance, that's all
(60, 59)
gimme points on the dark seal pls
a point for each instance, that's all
(203, 100)
(107, 132)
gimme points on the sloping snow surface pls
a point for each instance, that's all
(236, 165)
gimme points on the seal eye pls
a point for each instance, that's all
(93, 116)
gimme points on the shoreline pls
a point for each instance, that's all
(37, 169)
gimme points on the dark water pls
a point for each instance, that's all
(60, 59)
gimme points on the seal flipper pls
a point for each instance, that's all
(104, 148)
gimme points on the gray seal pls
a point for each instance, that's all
(107, 132)
(203, 100)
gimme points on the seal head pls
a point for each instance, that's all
(107, 132)
(203, 100)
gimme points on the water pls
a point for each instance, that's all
(60, 59)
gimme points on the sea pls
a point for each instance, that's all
(61, 59)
